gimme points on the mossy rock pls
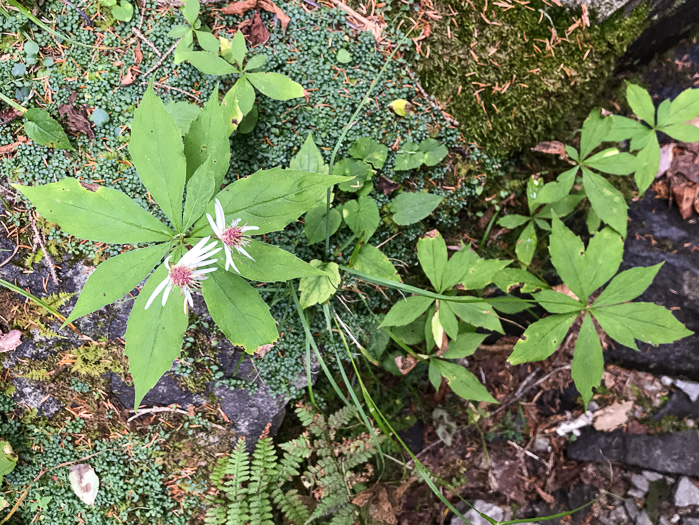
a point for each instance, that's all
(513, 73)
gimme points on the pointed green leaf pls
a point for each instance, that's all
(272, 264)
(458, 266)
(255, 62)
(362, 215)
(567, 256)
(246, 95)
(555, 191)
(371, 260)
(682, 132)
(434, 375)
(209, 64)
(190, 10)
(662, 116)
(309, 158)
(158, 155)
(238, 49)
(624, 128)
(685, 107)
(465, 345)
(432, 254)
(541, 339)
(558, 303)
(154, 336)
(184, 114)
(526, 244)
(612, 161)
(318, 289)
(208, 41)
(647, 164)
(103, 215)
(647, 322)
(275, 85)
(588, 363)
(448, 321)
(405, 311)
(513, 221)
(594, 131)
(477, 313)
(482, 273)
(409, 208)
(602, 259)
(116, 277)
(509, 278)
(606, 200)
(627, 285)
(316, 226)
(463, 382)
(43, 129)
(641, 103)
(200, 189)
(239, 311)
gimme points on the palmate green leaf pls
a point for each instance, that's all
(405, 311)
(315, 228)
(255, 62)
(103, 215)
(236, 49)
(362, 215)
(627, 285)
(526, 244)
(509, 278)
(646, 322)
(190, 11)
(270, 199)
(275, 85)
(432, 254)
(458, 266)
(154, 336)
(612, 161)
(448, 321)
(409, 208)
(239, 311)
(624, 128)
(647, 164)
(158, 155)
(200, 189)
(558, 303)
(557, 190)
(116, 277)
(541, 339)
(682, 132)
(513, 221)
(318, 289)
(272, 264)
(588, 363)
(462, 381)
(641, 103)
(606, 200)
(477, 313)
(482, 273)
(602, 259)
(594, 131)
(368, 150)
(43, 129)
(207, 139)
(208, 41)
(371, 260)
(209, 64)
(465, 345)
(685, 107)
(309, 158)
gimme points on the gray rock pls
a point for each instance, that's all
(652, 476)
(680, 406)
(689, 520)
(631, 510)
(676, 453)
(686, 493)
(643, 518)
(491, 510)
(618, 515)
(166, 392)
(542, 444)
(32, 394)
(640, 482)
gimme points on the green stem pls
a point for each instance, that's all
(12, 104)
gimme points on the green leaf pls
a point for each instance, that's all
(447, 319)
(272, 264)
(465, 345)
(270, 199)
(158, 155)
(555, 191)
(184, 47)
(407, 310)
(256, 62)
(309, 158)
(624, 128)
(588, 363)
(245, 94)
(123, 11)
(434, 151)
(611, 160)
(238, 49)
(627, 285)
(592, 221)
(362, 215)
(249, 121)
(154, 336)
(200, 188)
(409, 208)
(275, 85)
(640, 102)
(558, 303)
(432, 254)
(462, 382)
(208, 41)
(184, 114)
(685, 107)
(370, 151)
(560, 208)
(207, 141)
(190, 11)
(509, 278)
(371, 260)
(682, 132)
(481, 273)
(458, 266)
(477, 313)
(412, 333)
(209, 64)
(606, 200)
(541, 339)
(318, 289)
(534, 186)
(434, 375)
(239, 311)
(316, 223)
(513, 221)
(359, 171)
(594, 131)
(409, 157)
(567, 256)
(233, 115)
(116, 277)
(179, 31)
(526, 244)
(43, 129)
(343, 56)
(646, 322)
(647, 164)
(104, 215)
(8, 459)
(602, 259)
(662, 116)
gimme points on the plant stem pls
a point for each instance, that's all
(13, 104)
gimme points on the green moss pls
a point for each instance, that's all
(507, 79)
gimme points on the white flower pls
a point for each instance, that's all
(233, 237)
(185, 274)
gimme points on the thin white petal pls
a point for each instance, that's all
(220, 216)
(157, 290)
(202, 272)
(235, 223)
(166, 293)
(229, 258)
(249, 228)
(234, 266)
(242, 250)
(213, 225)
(167, 262)
(188, 294)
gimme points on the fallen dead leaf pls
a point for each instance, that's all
(613, 416)
(138, 54)
(240, 8)
(666, 155)
(254, 29)
(8, 115)
(10, 341)
(130, 76)
(84, 482)
(387, 185)
(263, 350)
(685, 196)
(76, 116)
(562, 288)
(405, 364)
(551, 147)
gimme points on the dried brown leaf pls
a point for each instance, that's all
(76, 116)
(405, 364)
(10, 341)
(613, 416)
(551, 147)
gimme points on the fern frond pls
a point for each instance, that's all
(291, 505)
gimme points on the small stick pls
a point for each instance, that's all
(429, 100)
(162, 58)
(150, 44)
(47, 257)
(353, 13)
(165, 86)
(155, 410)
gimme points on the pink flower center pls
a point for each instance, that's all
(234, 237)
(181, 276)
